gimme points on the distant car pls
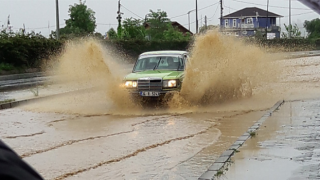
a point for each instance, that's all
(157, 73)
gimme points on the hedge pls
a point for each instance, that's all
(286, 44)
(28, 50)
(135, 47)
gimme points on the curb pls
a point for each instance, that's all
(224, 158)
(24, 101)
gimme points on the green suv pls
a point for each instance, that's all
(157, 73)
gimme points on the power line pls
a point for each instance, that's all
(132, 12)
(270, 5)
(208, 6)
(300, 14)
(193, 21)
(40, 27)
(231, 8)
(179, 15)
(194, 10)
(214, 13)
(106, 24)
(46, 27)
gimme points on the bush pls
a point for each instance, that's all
(287, 45)
(135, 47)
(26, 50)
(6, 67)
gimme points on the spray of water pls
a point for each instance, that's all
(220, 69)
(223, 68)
(87, 63)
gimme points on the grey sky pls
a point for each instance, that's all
(38, 14)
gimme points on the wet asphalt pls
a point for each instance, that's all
(286, 147)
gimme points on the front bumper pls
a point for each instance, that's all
(164, 91)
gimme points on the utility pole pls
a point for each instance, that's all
(267, 19)
(189, 18)
(197, 16)
(57, 20)
(290, 26)
(221, 14)
(205, 21)
(119, 29)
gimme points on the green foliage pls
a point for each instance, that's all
(7, 101)
(284, 45)
(112, 34)
(133, 29)
(313, 28)
(157, 24)
(6, 67)
(174, 34)
(252, 133)
(81, 22)
(25, 50)
(135, 47)
(259, 34)
(295, 32)
(119, 29)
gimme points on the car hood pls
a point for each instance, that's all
(164, 74)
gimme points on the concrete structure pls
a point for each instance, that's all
(250, 21)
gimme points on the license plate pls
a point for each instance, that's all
(149, 93)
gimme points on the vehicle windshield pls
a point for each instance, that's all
(159, 63)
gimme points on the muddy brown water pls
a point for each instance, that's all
(116, 147)
(101, 134)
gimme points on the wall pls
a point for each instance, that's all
(260, 22)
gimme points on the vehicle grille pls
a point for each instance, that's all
(150, 84)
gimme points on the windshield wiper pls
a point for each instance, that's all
(178, 66)
(156, 66)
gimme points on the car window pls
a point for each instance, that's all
(169, 63)
(146, 64)
(159, 62)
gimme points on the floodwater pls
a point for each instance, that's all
(116, 147)
(101, 134)
(285, 147)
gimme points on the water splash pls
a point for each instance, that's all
(87, 63)
(223, 68)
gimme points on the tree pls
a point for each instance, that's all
(174, 34)
(81, 21)
(157, 23)
(313, 28)
(295, 32)
(133, 29)
(112, 34)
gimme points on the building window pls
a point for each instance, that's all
(249, 21)
(226, 23)
(234, 23)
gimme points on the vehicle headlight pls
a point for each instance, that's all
(170, 83)
(131, 84)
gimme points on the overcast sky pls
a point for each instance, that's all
(37, 15)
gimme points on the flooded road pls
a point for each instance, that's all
(286, 146)
(147, 144)
(114, 147)
(100, 134)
